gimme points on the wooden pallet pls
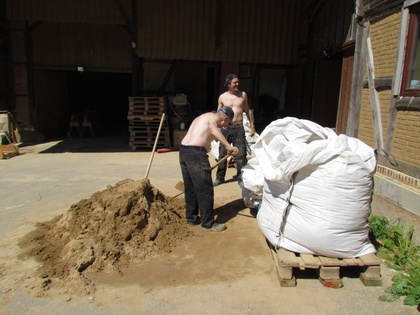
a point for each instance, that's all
(143, 136)
(148, 129)
(146, 125)
(146, 106)
(143, 141)
(328, 268)
(144, 117)
(8, 150)
(150, 136)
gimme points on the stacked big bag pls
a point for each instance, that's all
(316, 189)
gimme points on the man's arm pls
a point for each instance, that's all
(215, 131)
(248, 112)
(219, 103)
(251, 117)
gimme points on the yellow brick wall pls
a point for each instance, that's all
(406, 144)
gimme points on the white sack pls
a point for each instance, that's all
(317, 189)
(214, 148)
(249, 139)
(252, 176)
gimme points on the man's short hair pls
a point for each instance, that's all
(227, 111)
(229, 79)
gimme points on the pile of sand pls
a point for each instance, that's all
(120, 225)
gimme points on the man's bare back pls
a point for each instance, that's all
(204, 129)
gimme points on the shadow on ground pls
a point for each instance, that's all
(230, 210)
(109, 143)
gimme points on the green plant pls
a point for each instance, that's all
(401, 254)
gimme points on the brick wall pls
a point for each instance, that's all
(406, 145)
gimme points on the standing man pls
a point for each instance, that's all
(234, 133)
(196, 169)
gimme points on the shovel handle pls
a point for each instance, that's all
(154, 146)
(220, 161)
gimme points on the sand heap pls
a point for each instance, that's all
(122, 224)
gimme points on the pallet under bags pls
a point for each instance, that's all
(317, 189)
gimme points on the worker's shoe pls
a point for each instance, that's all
(216, 227)
(239, 179)
(196, 222)
(218, 181)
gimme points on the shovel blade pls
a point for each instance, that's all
(180, 186)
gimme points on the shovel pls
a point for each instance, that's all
(180, 185)
(154, 147)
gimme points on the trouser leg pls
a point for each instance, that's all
(221, 169)
(204, 190)
(199, 192)
(191, 202)
(239, 141)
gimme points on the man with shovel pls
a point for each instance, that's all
(196, 169)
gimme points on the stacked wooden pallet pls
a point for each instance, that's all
(9, 136)
(144, 115)
(328, 268)
(8, 150)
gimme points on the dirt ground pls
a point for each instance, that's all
(82, 232)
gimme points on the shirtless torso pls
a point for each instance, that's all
(204, 129)
(237, 100)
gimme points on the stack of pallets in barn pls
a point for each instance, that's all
(144, 115)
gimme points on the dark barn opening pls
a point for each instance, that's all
(103, 97)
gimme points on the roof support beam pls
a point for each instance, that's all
(128, 20)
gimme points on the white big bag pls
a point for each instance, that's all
(317, 189)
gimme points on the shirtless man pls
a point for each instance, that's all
(235, 133)
(196, 169)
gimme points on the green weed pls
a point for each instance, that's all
(397, 248)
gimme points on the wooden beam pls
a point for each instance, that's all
(374, 8)
(392, 121)
(167, 76)
(358, 75)
(35, 25)
(33, 118)
(219, 23)
(396, 82)
(408, 102)
(380, 83)
(128, 20)
(374, 98)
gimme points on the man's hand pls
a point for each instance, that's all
(252, 131)
(232, 151)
